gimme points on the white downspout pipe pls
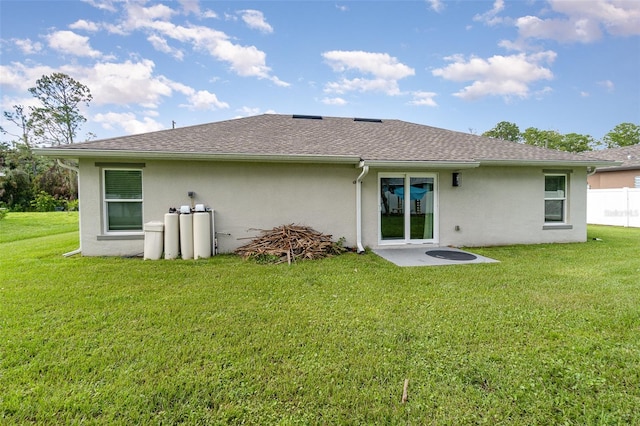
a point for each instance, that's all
(77, 170)
(365, 170)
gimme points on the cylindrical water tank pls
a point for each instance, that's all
(153, 240)
(201, 235)
(186, 236)
(171, 235)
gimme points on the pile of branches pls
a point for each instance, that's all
(289, 243)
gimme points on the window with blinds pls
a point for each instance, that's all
(123, 200)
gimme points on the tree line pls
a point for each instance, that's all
(34, 183)
(624, 134)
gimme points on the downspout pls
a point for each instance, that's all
(358, 182)
(77, 170)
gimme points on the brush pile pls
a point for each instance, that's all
(289, 243)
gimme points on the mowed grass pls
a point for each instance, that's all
(551, 335)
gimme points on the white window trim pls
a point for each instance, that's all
(105, 202)
(565, 199)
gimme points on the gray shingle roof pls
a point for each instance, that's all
(284, 135)
(628, 155)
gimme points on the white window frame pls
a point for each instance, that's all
(564, 198)
(105, 202)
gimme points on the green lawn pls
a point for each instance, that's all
(551, 335)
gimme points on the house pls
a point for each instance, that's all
(375, 183)
(624, 175)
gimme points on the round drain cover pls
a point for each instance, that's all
(451, 255)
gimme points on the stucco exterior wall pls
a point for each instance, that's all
(245, 197)
(613, 179)
(493, 206)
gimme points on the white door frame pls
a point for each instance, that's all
(407, 209)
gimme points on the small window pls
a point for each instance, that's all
(555, 198)
(123, 200)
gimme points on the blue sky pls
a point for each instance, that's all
(570, 66)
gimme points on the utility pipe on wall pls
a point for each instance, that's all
(365, 170)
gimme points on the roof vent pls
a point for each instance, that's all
(308, 117)
(368, 120)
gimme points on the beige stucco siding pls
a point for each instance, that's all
(244, 196)
(613, 179)
(493, 206)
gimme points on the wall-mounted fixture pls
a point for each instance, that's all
(191, 194)
(455, 179)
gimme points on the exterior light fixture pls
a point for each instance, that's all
(455, 179)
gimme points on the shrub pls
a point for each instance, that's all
(44, 202)
(73, 205)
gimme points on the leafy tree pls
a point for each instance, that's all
(624, 134)
(504, 130)
(575, 142)
(21, 120)
(542, 138)
(59, 118)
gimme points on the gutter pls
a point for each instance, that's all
(358, 182)
(411, 165)
(201, 156)
(551, 163)
(77, 170)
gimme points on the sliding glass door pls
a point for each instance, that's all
(407, 207)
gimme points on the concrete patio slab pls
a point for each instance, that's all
(430, 256)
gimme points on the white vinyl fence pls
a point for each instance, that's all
(617, 206)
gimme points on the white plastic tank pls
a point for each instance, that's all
(201, 234)
(186, 235)
(171, 235)
(153, 240)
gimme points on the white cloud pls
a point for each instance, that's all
(436, 5)
(126, 83)
(209, 14)
(583, 21)
(608, 85)
(342, 8)
(246, 61)
(378, 64)
(161, 45)
(190, 6)
(505, 76)
(102, 4)
(618, 17)
(204, 100)
(255, 20)
(71, 43)
(491, 17)
(128, 122)
(27, 46)
(390, 87)
(84, 25)
(334, 101)
(20, 77)
(423, 99)
(385, 69)
(575, 30)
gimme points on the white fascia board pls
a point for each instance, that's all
(195, 156)
(410, 165)
(549, 163)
